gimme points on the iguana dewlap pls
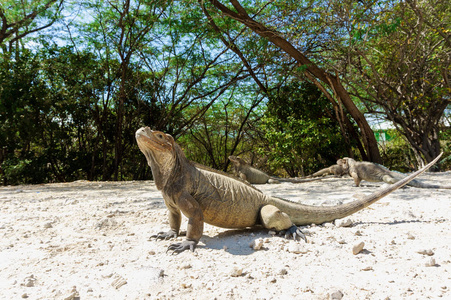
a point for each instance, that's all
(220, 200)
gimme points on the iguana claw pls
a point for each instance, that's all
(296, 233)
(180, 247)
(164, 235)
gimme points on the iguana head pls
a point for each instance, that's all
(345, 163)
(161, 152)
(237, 161)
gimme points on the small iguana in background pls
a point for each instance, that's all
(336, 170)
(221, 200)
(364, 170)
(256, 176)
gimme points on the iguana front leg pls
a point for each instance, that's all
(191, 209)
(356, 178)
(175, 219)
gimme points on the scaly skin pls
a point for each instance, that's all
(204, 195)
(363, 170)
(255, 176)
(336, 170)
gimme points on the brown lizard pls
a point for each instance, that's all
(336, 170)
(209, 196)
(256, 176)
(364, 170)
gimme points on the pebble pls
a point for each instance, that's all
(358, 248)
(410, 236)
(236, 272)
(73, 294)
(428, 252)
(48, 225)
(118, 281)
(337, 295)
(29, 281)
(343, 223)
(431, 263)
(256, 244)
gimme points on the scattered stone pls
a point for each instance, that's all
(431, 263)
(410, 236)
(369, 268)
(48, 225)
(29, 281)
(118, 281)
(428, 252)
(358, 248)
(343, 223)
(337, 295)
(256, 244)
(73, 294)
(236, 272)
(25, 295)
(186, 266)
(283, 271)
(358, 233)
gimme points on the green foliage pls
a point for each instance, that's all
(299, 135)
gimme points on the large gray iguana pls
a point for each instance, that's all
(220, 200)
(364, 170)
(256, 176)
(336, 170)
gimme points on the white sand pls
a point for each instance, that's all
(84, 240)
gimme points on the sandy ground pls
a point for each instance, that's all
(90, 240)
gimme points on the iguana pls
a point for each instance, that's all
(364, 170)
(256, 176)
(220, 200)
(336, 170)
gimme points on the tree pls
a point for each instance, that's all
(21, 19)
(328, 83)
(398, 65)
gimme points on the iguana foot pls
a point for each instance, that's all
(165, 235)
(180, 247)
(294, 232)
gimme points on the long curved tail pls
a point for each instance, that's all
(301, 214)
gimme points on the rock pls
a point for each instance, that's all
(73, 294)
(256, 244)
(48, 225)
(431, 263)
(29, 281)
(410, 236)
(337, 295)
(25, 295)
(283, 271)
(343, 222)
(358, 248)
(236, 272)
(186, 266)
(118, 281)
(428, 252)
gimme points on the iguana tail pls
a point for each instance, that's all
(321, 172)
(418, 183)
(295, 180)
(301, 214)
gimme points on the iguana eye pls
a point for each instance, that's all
(160, 136)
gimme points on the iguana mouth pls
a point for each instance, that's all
(151, 140)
